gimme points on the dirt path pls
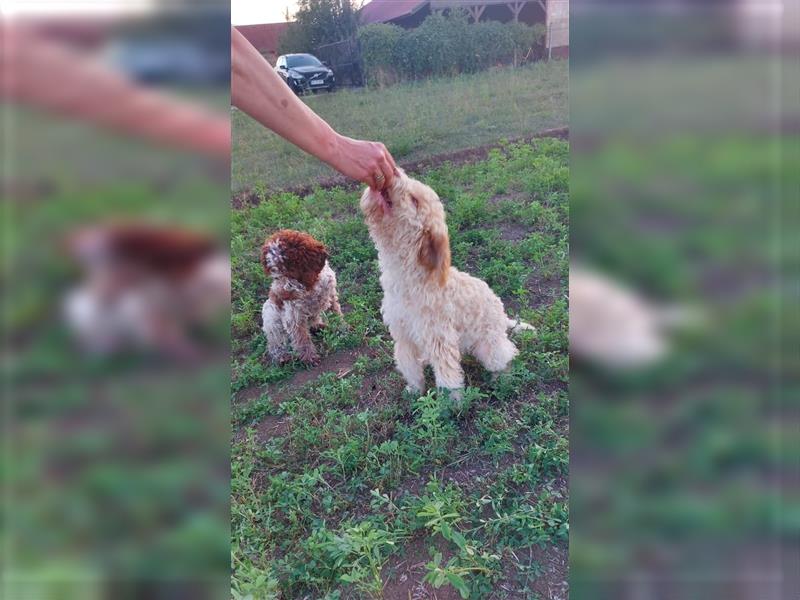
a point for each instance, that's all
(458, 157)
(340, 362)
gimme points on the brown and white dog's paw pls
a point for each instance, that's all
(456, 395)
(310, 356)
(281, 358)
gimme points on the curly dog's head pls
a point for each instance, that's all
(295, 255)
(158, 250)
(407, 220)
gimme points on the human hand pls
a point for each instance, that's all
(368, 162)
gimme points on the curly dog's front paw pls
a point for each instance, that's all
(281, 357)
(309, 355)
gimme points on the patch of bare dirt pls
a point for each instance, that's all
(513, 232)
(374, 394)
(459, 157)
(553, 584)
(340, 362)
(651, 223)
(726, 283)
(404, 572)
(270, 426)
(544, 290)
(513, 197)
(249, 394)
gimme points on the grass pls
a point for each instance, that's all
(345, 487)
(414, 120)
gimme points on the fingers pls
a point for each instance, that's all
(379, 168)
(381, 173)
(389, 158)
(388, 172)
(385, 166)
(370, 181)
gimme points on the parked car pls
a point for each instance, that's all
(169, 60)
(305, 72)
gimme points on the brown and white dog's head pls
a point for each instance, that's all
(407, 221)
(295, 255)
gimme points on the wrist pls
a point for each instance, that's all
(332, 147)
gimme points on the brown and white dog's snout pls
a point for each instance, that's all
(378, 204)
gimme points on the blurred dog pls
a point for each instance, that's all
(144, 287)
(617, 328)
(303, 287)
(434, 312)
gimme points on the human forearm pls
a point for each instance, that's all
(43, 74)
(259, 91)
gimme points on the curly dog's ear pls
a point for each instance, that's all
(295, 254)
(434, 252)
(304, 257)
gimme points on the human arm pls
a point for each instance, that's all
(261, 93)
(44, 74)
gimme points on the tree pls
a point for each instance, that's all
(319, 22)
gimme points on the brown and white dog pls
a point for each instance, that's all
(145, 286)
(435, 313)
(303, 287)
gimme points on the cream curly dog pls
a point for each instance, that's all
(434, 312)
(303, 287)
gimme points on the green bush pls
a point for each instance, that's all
(443, 45)
(493, 42)
(294, 39)
(318, 22)
(378, 50)
(527, 39)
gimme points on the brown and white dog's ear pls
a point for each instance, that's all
(434, 253)
(307, 262)
(303, 257)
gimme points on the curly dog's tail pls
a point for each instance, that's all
(515, 326)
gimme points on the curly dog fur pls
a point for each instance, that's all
(435, 313)
(303, 287)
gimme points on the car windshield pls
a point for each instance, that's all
(302, 60)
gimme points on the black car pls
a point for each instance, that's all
(305, 72)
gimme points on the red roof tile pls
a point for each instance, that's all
(265, 37)
(381, 11)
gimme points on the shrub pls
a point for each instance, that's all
(527, 39)
(437, 47)
(378, 51)
(318, 22)
(294, 39)
(442, 45)
(493, 42)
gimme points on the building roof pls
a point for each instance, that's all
(381, 11)
(265, 37)
(440, 4)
